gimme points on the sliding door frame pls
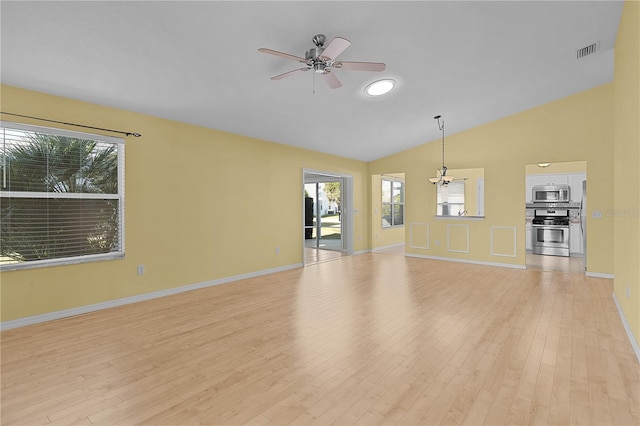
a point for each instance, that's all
(346, 209)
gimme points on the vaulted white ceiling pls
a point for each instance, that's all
(198, 62)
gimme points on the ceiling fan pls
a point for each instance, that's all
(322, 60)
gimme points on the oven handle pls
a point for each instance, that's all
(550, 226)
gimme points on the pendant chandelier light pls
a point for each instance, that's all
(442, 177)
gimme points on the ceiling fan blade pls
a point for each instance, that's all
(333, 49)
(288, 73)
(283, 55)
(360, 66)
(331, 80)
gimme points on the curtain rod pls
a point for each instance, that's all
(137, 135)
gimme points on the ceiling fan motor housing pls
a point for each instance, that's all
(313, 55)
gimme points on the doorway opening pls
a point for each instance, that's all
(326, 224)
(556, 228)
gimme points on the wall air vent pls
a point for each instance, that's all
(589, 50)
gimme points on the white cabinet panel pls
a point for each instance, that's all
(575, 238)
(540, 180)
(558, 179)
(529, 188)
(550, 179)
(575, 181)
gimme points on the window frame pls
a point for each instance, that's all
(392, 204)
(119, 143)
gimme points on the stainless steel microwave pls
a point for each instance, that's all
(551, 193)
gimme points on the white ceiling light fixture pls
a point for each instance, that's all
(380, 87)
(442, 177)
(544, 164)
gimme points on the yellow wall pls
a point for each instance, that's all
(200, 205)
(383, 237)
(626, 210)
(576, 128)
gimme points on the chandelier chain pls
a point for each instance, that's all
(441, 128)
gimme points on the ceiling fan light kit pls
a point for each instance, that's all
(322, 60)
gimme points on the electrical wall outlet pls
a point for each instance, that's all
(277, 250)
(140, 269)
(628, 292)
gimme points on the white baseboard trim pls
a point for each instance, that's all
(356, 253)
(598, 275)
(627, 329)
(387, 247)
(475, 262)
(50, 316)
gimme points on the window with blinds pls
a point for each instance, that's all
(61, 197)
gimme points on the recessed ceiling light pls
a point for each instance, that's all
(380, 87)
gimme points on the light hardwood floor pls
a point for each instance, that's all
(572, 264)
(315, 255)
(368, 339)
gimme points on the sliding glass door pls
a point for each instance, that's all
(323, 216)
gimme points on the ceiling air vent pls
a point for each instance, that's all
(589, 50)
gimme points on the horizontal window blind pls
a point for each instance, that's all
(62, 196)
